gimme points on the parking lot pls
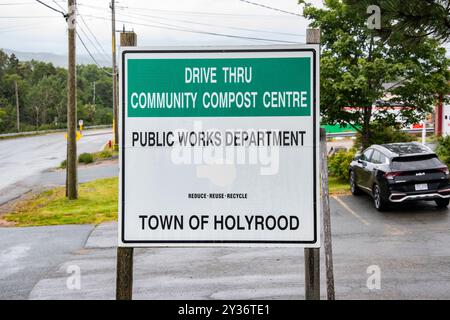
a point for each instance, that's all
(409, 245)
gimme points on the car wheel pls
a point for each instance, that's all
(442, 203)
(379, 202)
(353, 187)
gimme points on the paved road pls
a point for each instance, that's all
(408, 244)
(22, 160)
(29, 254)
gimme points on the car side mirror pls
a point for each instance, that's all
(358, 157)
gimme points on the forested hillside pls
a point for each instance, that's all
(42, 94)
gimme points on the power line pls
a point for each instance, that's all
(213, 25)
(15, 3)
(271, 8)
(26, 17)
(92, 57)
(178, 28)
(55, 2)
(90, 41)
(50, 7)
(21, 3)
(180, 12)
(93, 35)
(22, 28)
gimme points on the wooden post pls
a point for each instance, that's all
(128, 38)
(124, 276)
(326, 216)
(312, 255)
(71, 183)
(312, 273)
(114, 68)
(17, 106)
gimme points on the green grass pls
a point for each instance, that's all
(106, 153)
(337, 186)
(96, 203)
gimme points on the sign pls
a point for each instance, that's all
(446, 120)
(78, 135)
(219, 146)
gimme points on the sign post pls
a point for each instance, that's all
(80, 123)
(124, 268)
(312, 255)
(220, 147)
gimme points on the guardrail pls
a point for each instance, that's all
(39, 132)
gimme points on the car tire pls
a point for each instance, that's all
(353, 187)
(442, 203)
(380, 203)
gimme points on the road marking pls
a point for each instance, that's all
(357, 216)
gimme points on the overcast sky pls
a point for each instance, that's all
(26, 25)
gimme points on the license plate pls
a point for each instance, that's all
(421, 186)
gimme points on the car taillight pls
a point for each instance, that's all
(391, 175)
(444, 170)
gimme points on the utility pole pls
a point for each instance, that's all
(17, 106)
(114, 67)
(71, 176)
(36, 108)
(93, 98)
(124, 271)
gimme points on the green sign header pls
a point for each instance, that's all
(244, 87)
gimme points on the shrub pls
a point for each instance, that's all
(85, 158)
(63, 164)
(443, 149)
(380, 134)
(339, 163)
(104, 154)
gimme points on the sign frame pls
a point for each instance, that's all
(315, 108)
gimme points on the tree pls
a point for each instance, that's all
(3, 122)
(42, 89)
(409, 21)
(16, 83)
(360, 72)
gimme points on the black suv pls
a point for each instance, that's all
(398, 172)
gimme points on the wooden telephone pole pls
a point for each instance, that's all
(71, 176)
(114, 67)
(124, 276)
(17, 106)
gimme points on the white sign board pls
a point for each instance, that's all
(219, 146)
(446, 120)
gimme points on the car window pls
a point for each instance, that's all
(416, 162)
(376, 157)
(383, 159)
(366, 155)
